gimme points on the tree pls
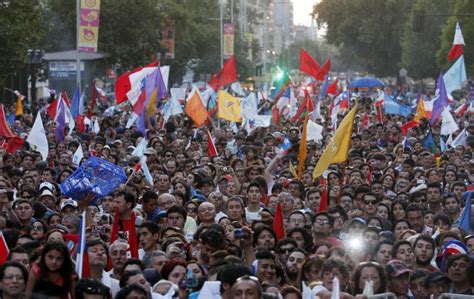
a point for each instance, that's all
(467, 27)
(19, 32)
(427, 41)
(367, 31)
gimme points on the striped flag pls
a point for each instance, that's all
(81, 266)
(211, 147)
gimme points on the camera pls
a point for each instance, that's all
(241, 233)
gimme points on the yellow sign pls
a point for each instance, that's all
(89, 25)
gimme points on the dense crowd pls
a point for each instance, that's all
(388, 220)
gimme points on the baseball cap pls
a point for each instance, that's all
(68, 203)
(396, 268)
(435, 277)
(46, 192)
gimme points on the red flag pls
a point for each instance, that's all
(66, 99)
(365, 120)
(332, 88)
(123, 84)
(14, 144)
(369, 176)
(53, 108)
(211, 147)
(307, 104)
(5, 130)
(308, 64)
(324, 71)
(408, 125)
(3, 249)
(127, 226)
(227, 75)
(323, 204)
(455, 52)
(278, 226)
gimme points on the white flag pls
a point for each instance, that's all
(448, 124)
(78, 155)
(314, 131)
(140, 149)
(37, 138)
(96, 128)
(460, 139)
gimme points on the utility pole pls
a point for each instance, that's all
(222, 31)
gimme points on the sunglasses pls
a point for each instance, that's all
(285, 250)
(370, 202)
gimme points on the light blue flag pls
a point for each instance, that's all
(455, 76)
(465, 219)
(392, 106)
(442, 144)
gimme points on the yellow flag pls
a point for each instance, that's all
(302, 154)
(420, 110)
(19, 105)
(337, 150)
(228, 107)
(151, 107)
(292, 170)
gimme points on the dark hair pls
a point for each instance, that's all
(95, 242)
(290, 290)
(148, 195)
(308, 239)
(397, 245)
(91, 286)
(285, 241)
(66, 269)
(264, 254)
(310, 263)
(126, 276)
(8, 264)
(178, 209)
(129, 198)
(151, 226)
(357, 274)
(169, 266)
(418, 273)
(231, 272)
(132, 261)
(414, 207)
(17, 249)
(454, 257)
(331, 264)
(259, 230)
(398, 221)
(124, 292)
(379, 245)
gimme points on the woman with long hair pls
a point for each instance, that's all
(53, 275)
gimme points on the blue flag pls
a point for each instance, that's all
(465, 219)
(393, 106)
(60, 122)
(441, 101)
(442, 144)
(429, 144)
(324, 89)
(75, 105)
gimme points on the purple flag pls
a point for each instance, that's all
(441, 101)
(60, 122)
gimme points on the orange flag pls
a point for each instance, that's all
(278, 225)
(195, 109)
(302, 154)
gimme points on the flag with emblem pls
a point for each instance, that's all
(228, 107)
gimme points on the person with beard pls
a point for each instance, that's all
(294, 264)
(423, 248)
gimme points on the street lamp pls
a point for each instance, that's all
(33, 58)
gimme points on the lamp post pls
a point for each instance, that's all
(33, 58)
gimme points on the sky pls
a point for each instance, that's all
(302, 10)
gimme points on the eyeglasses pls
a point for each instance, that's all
(286, 250)
(370, 202)
(248, 277)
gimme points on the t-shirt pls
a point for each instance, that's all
(252, 216)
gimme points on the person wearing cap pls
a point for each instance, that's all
(48, 199)
(68, 207)
(436, 283)
(398, 278)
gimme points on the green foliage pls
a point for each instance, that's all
(419, 48)
(367, 31)
(19, 32)
(467, 27)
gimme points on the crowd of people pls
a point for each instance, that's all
(388, 220)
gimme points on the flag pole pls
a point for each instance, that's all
(78, 58)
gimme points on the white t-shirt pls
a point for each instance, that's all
(252, 216)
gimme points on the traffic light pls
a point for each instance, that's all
(419, 21)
